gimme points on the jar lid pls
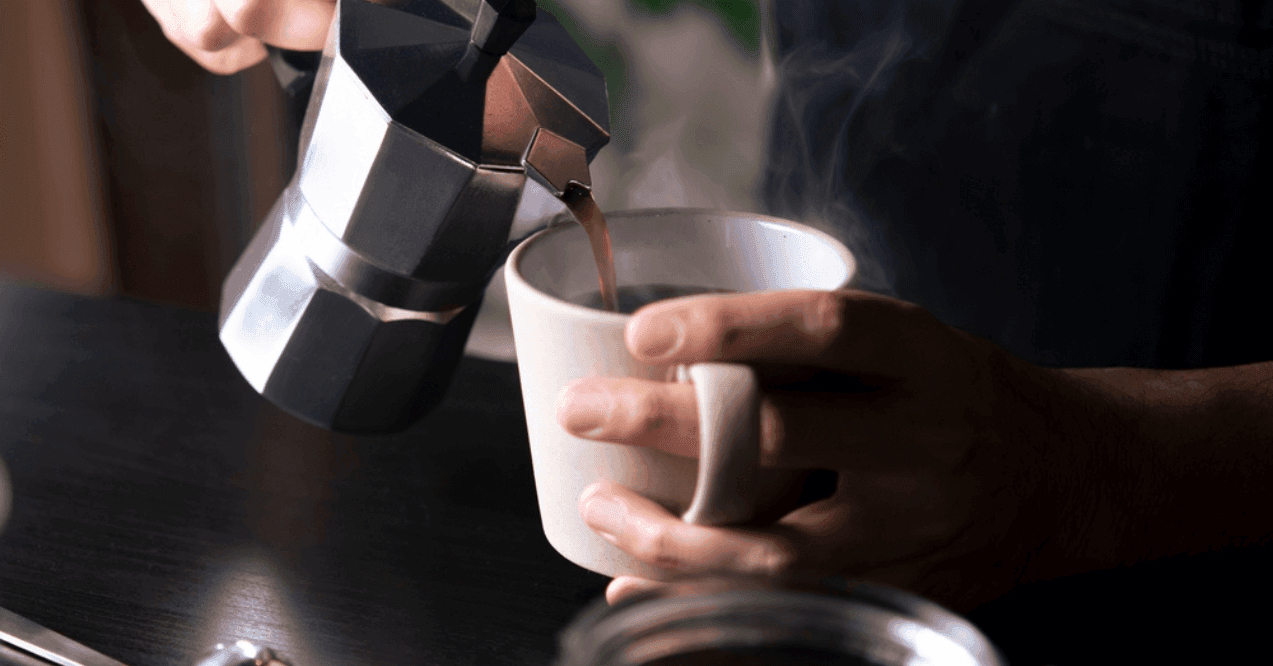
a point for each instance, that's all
(790, 620)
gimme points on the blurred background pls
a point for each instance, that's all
(127, 169)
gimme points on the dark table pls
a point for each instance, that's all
(160, 506)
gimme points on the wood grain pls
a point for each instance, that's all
(161, 506)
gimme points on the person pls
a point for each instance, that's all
(994, 414)
(228, 36)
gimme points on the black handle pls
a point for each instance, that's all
(499, 23)
(296, 72)
(295, 69)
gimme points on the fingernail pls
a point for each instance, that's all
(658, 336)
(604, 515)
(584, 410)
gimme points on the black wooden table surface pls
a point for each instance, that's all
(160, 506)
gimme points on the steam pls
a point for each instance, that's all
(712, 126)
(705, 124)
(821, 141)
(695, 130)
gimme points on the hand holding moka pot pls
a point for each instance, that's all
(351, 306)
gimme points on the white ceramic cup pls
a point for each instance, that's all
(558, 342)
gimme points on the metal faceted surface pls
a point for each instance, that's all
(352, 304)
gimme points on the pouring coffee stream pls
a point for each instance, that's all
(561, 167)
(589, 216)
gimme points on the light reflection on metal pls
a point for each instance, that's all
(556, 163)
(351, 305)
(248, 609)
(242, 653)
(47, 644)
(774, 619)
(381, 311)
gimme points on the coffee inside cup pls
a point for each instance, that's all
(633, 297)
(658, 254)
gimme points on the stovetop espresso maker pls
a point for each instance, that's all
(351, 306)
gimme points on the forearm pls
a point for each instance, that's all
(1181, 461)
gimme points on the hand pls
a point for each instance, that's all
(956, 462)
(227, 36)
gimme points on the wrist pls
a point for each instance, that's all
(1083, 435)
(1208, 442)
(1155, 463)
(1117, 482)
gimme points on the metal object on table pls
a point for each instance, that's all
(242, 653)
(31, 638)
(351, 306)
(788, 621)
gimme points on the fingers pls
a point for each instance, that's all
(193, 25)
(197, 28)
(244, 53)
(290, 24)
(227, 36)
(662, 415)
(846, 331)
(823, 536)
(839, 534)
(651, 534)
(795, 428)
(625, 586)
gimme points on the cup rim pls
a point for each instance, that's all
(512, 267)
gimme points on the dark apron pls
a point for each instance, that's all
(1084, 182)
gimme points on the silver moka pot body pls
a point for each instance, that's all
(351, 306)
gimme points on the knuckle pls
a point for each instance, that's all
(197, 27)
(722, 325)
(651, 544)
(779, 561)
(246, 17)
(201, 37)
(770, 559)
(771, 434)
(647, 410)
(708, 317)
(707, 328)
(822, 317)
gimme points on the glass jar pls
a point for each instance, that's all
(763, 622)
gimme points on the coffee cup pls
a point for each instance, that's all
(558, 339)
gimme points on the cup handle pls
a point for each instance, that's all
(729, 442)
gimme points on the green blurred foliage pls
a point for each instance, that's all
(740, 17)
(608, 58)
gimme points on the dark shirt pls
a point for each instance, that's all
(1084, 182)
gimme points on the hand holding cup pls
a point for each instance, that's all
(550, 279)
(951, 472)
